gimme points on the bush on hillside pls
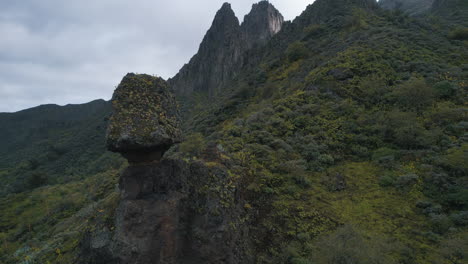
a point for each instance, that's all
(194, 144)
(297, 51)
(414, 94)
(460, 33)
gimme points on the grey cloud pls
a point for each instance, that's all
(55, 51)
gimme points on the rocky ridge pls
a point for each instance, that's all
(220, 56)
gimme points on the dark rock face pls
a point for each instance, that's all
(145, 121)
(410, 7)
(261, 24)
(148, 228)
(219, 53)
(220, 56)
(166, 216)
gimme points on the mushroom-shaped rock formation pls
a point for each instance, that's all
(145, 121)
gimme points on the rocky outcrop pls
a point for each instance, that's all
(170, 210)
(410, 7)
(145, 121)
(220, 56)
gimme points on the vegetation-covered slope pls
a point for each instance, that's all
(352, 127)
(348, 132)
(53, 144)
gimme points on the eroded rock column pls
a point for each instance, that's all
(170, 210)
(143, 126)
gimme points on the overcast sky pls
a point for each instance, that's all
(75, 51)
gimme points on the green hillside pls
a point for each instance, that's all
(53, 144)
(352, 127)
(348, 132)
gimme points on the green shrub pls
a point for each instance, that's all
(37, 179)
(411, 136)
(460, 33)
(357, 20)
(440, 223)
(194, 144)
(405, 182)
(349, 246)
(460, 218)
(387, 180)
(456, 160)
(326, 159)
(297, 51)
(313, 30)
(458, 196)
(405, 130)
(444, 89)
(384, 155)
(414, 94)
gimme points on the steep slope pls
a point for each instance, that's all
(410, 7)
(453, 5)
(344, 139)
(455, 11)
(220, 56)
(52, 144)
(351, 129)
(324, 10)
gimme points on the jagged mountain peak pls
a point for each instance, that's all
(262, 6)
(263, 21)
(221, 53)
(225, 26)
(226, 15)
(226, 6)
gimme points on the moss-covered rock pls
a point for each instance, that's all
(145, 118)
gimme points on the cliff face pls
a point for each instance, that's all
(219, 53)
(219, 57)
(261, 24)
(410, 7)
(170, 211)
(164, 217)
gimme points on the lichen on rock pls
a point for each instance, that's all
(145, 121)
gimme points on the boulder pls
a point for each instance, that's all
(145, 122)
